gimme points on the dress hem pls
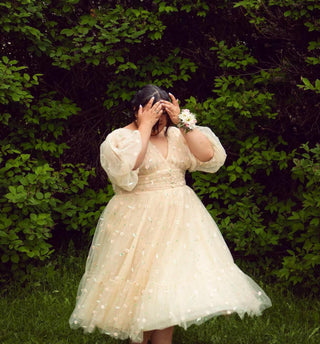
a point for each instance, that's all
(185, 324)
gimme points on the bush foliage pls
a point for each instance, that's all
(247, 68)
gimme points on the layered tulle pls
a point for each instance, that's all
(157, 258)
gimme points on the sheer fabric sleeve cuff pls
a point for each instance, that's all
(118, 155)
(219, 155)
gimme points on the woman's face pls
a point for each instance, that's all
(161, 124)
(162, 121)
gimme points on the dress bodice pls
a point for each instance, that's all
(120, 150)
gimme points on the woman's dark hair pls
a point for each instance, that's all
(144, 95)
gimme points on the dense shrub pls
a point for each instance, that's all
(249, 69)
(261, 219)
(301, 227)
(38, 191)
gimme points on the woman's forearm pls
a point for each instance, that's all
(198, 144)
(145, 132)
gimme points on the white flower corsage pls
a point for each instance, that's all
(187, 120)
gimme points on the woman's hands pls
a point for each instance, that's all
(149, 114)
(147, 117)
(173, 109)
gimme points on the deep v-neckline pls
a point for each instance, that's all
(158, 151)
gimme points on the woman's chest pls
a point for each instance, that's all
(161, 144)
(165, 153)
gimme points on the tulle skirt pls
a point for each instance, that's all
(158, 259)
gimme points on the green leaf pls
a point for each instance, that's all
(5, 258)
(67, 32)
(111, 60)
(306, 82)
(39, 195)
(15, 258)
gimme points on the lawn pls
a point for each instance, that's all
(38, 313)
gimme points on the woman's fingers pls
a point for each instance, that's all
(171, 105)
(150, 112)
(149, 104)
(174, 100)
(157, 107)
(155, 110)
(167, 105)
(172, 108)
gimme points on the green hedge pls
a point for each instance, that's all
(247, 68)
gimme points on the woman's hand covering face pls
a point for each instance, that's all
(149, 114)
(173, 109)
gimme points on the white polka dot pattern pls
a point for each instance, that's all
(157, 258)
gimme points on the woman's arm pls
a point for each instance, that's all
(147, 117)
(198, 143)
(145, 132)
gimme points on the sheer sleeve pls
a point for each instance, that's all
(118, 155)
(218, 158)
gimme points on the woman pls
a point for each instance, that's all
(158, 259)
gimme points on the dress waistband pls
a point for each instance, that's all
(159, 180)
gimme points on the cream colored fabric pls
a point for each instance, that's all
(118, 154)
(157, 258)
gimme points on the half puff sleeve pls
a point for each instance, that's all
(118, 155)
(219, 155)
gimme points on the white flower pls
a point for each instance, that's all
(187, 120)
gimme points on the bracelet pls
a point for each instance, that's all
(187, 120)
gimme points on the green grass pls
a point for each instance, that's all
(38, 314)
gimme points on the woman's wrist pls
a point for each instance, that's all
(187, 121)
(144, 123)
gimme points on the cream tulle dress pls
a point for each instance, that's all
(157, 258)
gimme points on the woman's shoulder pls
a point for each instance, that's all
(176, 135)
(174, 131)
(122, 137)
(122, 132)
